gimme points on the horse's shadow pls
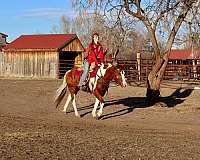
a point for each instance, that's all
(130, 103)
(177, 97)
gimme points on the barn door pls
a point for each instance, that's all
(66, 61)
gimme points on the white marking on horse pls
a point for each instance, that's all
(101, 72)
(95, 108)
(75, 108)
(67, 103)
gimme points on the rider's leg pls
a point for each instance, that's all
(85, 72)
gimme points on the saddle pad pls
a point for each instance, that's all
(78, 72)
(93, 73)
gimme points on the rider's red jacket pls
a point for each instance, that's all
(95, 53)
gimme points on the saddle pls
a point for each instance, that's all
(91, 74)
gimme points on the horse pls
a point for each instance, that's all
(98, 86)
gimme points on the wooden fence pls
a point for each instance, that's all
(139, 71)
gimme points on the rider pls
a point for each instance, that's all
(92, 57)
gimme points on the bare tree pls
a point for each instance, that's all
(153, 15)
(162, 9)
(113, 36)
(65, 26)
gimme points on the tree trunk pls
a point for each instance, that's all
(154, 80)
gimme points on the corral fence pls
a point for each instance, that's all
(137, 71)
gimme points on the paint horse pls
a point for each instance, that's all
(98, 86)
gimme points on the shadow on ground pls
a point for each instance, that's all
(177, 97)
(130, 103)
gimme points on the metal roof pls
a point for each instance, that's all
(41, 41)
(184, 54)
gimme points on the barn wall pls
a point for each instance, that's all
(75, 45)
(40, 64)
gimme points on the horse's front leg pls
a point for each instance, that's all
(99, 113)
(95, 108)
(99, 98)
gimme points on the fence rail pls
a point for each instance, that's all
(138, 71)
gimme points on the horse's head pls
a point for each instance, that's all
(119, 75)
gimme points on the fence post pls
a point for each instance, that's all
(139, 66)
(194, 69)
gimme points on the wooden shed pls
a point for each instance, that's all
(41, 56)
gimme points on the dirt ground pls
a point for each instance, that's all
(31, 127)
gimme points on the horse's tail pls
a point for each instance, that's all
(61, 91)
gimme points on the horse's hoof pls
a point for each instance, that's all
(99, 114)
(77, 115)
(94, 115)
(98, 118)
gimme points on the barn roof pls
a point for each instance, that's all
(41, 41)
(184, 54)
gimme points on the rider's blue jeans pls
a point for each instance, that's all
(86, 67)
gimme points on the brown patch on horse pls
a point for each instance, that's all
(103, 83)
(101, 88)
(72, 80)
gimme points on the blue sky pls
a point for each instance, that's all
(19, 17)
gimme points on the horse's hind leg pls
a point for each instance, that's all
(74, 105)
(95, 108)
(67, 103)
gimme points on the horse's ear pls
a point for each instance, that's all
(105, 52)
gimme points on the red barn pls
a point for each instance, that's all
(184, 56)
(41, 56)
(185, 62)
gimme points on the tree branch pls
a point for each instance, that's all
(146, 22)
(164, 12)
(177, 25)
